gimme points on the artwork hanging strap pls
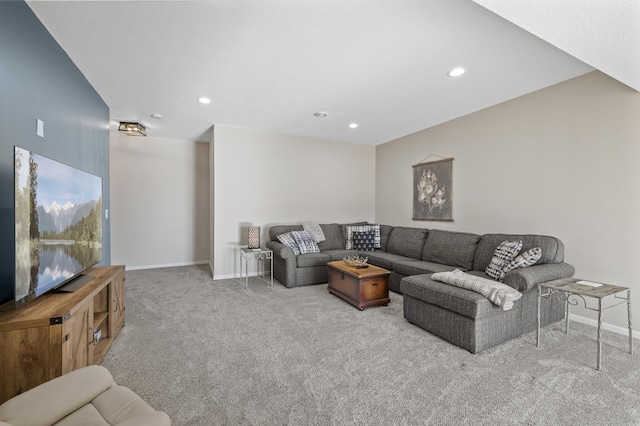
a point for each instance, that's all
(441, 158)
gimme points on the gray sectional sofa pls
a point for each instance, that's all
(457, 315)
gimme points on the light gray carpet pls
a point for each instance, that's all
(212, 353)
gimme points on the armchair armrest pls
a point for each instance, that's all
(525, 278)
(157, 418)
(51, 401)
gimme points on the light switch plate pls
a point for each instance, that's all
(40, 128)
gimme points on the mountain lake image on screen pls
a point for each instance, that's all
(58, 223)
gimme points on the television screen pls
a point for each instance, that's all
(58, 223)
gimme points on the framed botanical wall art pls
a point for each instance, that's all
(432, 186)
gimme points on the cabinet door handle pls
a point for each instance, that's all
(92, 338)
(115, 309)
(65, 338)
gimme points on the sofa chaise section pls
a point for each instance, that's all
(470, 320)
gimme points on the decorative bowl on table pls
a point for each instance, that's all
(356, 261)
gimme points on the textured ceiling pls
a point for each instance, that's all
(269, 65)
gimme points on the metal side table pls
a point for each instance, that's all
(261, 255)
(570, 289)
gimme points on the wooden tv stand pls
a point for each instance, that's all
(54, 334)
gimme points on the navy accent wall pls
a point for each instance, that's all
(39, 81)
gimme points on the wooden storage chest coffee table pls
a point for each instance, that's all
(362, 288)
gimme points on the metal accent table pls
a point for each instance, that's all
(260, 255)
(570, 290)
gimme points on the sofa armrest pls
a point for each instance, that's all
(525, 278)
(281, 250)
(51, 401)
(284, 263)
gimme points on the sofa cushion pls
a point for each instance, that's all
(85, 415)
(407, 242)
(340, 254)
(522, 260)
(418, 267)
(385, 231)
(451, 248)
(312, 259)
(383, 259)
(351, 229)
(333, 237)
(552, 248)
(89, 415)
(502, 256)
(288, 240)
(455, 299)
(364, 240)
(305, 242)
(118, 404)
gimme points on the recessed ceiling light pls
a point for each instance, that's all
(158, 116)
(204, 100)
(456, 72)
(320, 114)
(353, 125)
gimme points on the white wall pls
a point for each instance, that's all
(264, 179)
(160, 201)
(563, 161)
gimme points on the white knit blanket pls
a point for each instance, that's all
(314, 230)
(498, 293)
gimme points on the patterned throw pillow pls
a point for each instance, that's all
(502, 256)
(522, 260)
(287, 240)
(363, 228)
(305, 242)
(364, 241)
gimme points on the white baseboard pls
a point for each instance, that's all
(605, 326)
(231, 276)
(167, 265)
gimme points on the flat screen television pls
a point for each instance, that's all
(58, 223)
